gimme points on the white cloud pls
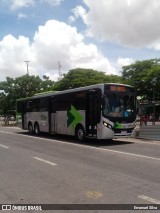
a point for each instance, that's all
(13, 53)
(125, 61)
(57, 41)
(71, 19)
(16, 4)
(155, 44)
(128, 22)
(79, 11)
(21, 16)
(53, 2)
(53, 42)
(53, 77)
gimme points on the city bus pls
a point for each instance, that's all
(102, 111)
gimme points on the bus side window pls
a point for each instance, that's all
(36, 105)
(52, 105)
(43, 105)
(79, 100)
(28, 106)
(63, 102)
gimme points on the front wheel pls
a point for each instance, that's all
(36, 129)
(80, 133)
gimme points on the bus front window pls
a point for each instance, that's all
(118, 105)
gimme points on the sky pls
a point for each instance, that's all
(56, 36)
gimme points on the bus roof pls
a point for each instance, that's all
(52, 93)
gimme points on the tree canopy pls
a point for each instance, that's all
(84, 77)
(21, 87)
(145, 77)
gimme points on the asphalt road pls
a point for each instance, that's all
(59, 170)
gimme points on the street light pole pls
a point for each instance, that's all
(59, 70)
(27, 66)
(154, 102)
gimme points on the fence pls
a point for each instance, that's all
(7, 121)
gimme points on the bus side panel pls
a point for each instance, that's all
(61, 122)
(44, 121)
(61, 127)
(24, 121)
(103, 132)
(71, 127)
(38, 117)
(53, 122)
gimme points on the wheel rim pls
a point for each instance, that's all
(30, 128)
(36, 129)
(80, 134)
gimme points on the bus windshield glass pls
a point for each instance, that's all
(119, 105)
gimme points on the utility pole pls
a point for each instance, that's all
(27, 66)
(59, 70)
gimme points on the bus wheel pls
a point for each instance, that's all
(30, 128)
(36, 129)
(80, 134)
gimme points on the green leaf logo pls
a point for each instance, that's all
(118, 125)
(74, 117)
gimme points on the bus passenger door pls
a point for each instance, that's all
(52, 115)
(93, 112)
(24, 121)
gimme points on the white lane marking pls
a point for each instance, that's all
(6, 147)
(84, 146)
(45, 161)
(106, 150)
(132, 154)
(149, 199)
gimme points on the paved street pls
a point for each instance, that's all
(59, 170)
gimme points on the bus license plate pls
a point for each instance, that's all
(124, 132)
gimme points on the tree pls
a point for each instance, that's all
(152, 80)
(144, 76)
(46, 84)
(21, 87)
(3, 104)
(84, 77)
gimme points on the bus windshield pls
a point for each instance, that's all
(119, 105)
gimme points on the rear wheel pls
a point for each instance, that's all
(80, 133)
(30, 128)
(36, 129)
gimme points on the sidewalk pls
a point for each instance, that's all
(140, 140)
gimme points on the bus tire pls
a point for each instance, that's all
(80, 133)
(30, 128)
(36, 129)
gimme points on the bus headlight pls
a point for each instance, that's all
(107, 125)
